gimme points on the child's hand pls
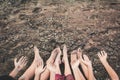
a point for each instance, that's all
(86, 61)
(102, 56)
(75, 64)
(21, 63)
(40, 67)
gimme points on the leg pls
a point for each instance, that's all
(67, 71)
(45, 75)
(29, 73)
(75, 66)
(84, 67)
(65, 60)
(54, 68)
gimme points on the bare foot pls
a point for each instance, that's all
(58, 60)
(74, 62)
(36, 51)
(79, 54)
(52, 67)
(53, 56)
(65, 57)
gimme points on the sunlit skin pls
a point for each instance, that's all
(30, 72)
(19, 65)
(103, 58)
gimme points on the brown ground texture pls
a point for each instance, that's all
(90, 25)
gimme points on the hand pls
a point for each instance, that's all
(86, 60)
(102, 56)
(75, 64)
(39, 67)
(21, 63)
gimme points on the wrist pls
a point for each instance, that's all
(74, 67)
(104, 61)
(38, 73)
(16, 70)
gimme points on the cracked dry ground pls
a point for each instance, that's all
(76, 25)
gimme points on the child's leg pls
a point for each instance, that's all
(29, 73)
(84, 67)
(56, 69)
(67, 72)
(75, 66)
(45, 75)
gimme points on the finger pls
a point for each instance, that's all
(83, 62)
(20, 60)
(15, 61)
(102, 54)
(44, 68)
(42, 63)
(99, 54)
(24, 59)
(25, 63)
(86, 58)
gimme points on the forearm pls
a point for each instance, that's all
(77, 73)
(37, 76)
(52, 76)
(110, 71)
(45, 75)
(85, 70)
(14, 73)
(90, 73)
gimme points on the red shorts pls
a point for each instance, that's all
(62, 77)
(69, 77)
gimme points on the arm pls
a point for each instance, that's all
(18, 66)
(88, 63)
(103, 58)
(77, 73)
(90, 73)
(39, 69)
(110, 71)
(84, 67)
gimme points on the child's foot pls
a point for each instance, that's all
(37, 56)
(58, 59)
(53, 56)
(79, 54)
(65, 57)
(74, 61)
